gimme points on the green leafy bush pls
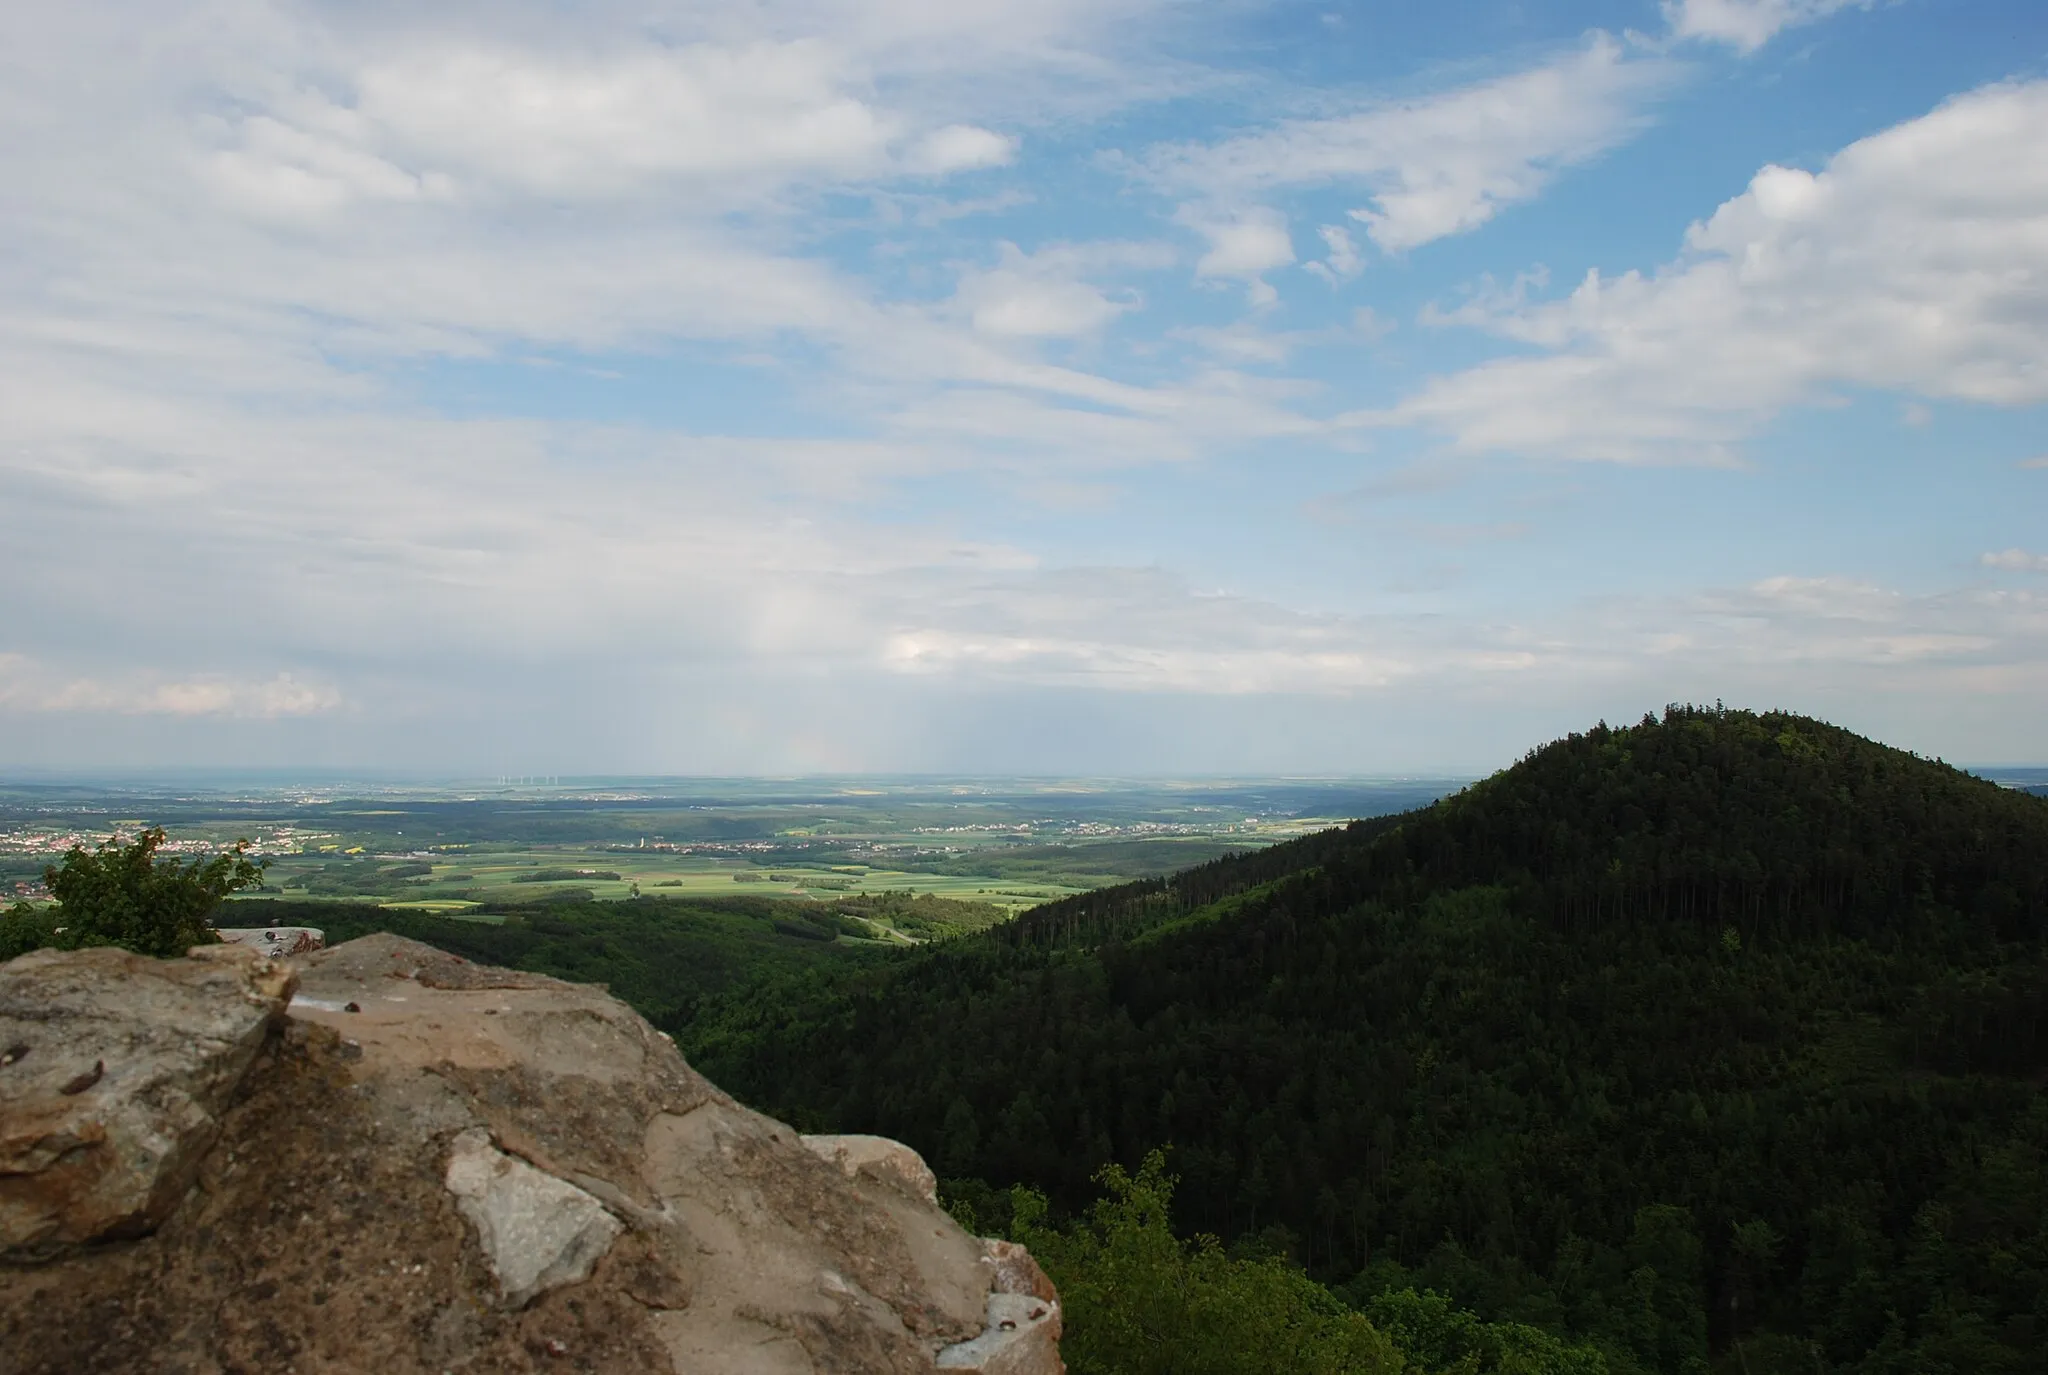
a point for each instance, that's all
(123, 894)
(1139, 1301)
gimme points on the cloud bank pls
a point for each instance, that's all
(752, 375)
(1915, 261)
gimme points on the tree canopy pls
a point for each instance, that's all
(1140, 1301)
(1722, 1033)
(124, 893)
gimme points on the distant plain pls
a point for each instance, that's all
(473, 849)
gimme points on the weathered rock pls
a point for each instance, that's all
(879, 1158)
(536, 1231)
(1022, 1335)
(118, 1068)
(278, 942)
(477, 1168)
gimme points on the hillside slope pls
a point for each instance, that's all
(1720, 1028)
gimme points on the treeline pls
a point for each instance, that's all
(1721, 1034)
(1128, 909)
(662, 955)
(1772, 823)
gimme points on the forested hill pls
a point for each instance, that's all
(1718, 1033)
(1762, 821)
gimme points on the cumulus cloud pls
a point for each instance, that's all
(1440, 164)
(1915, 261)
(1244, 244)
(2016, 561)
(960, 148)
(1747, 24)
(1045, 294)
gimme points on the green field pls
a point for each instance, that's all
(455, 882)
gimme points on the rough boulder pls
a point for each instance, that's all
(379, 1157)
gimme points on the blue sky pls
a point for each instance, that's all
(809, 385)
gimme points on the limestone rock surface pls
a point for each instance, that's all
(114, 1072)
(439, 1166)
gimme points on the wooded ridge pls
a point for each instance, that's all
(1721, 1032)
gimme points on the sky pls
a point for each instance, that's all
(1014, 386)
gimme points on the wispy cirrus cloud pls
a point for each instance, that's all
(1439, 164)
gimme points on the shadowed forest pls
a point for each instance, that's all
(1718, 1038)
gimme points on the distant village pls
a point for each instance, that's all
(50, 844)
(34, 840)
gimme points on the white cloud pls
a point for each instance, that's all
(342, 182)
(2017, 561)
(1344, 261)
(317, 198)
(1916, 261)
(1044, 295)
(1241, 342)
(1812, 630)
(1140, 630)
(1005, 304)
(322, 198)
(2038, 462)
(1243, 245)
(415, 553)
(728, 119)
(1213, 408)
(960, 148)
(228, 259)
(560, 125)
(1746, 24)
(1440, 164)
(27, 685)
